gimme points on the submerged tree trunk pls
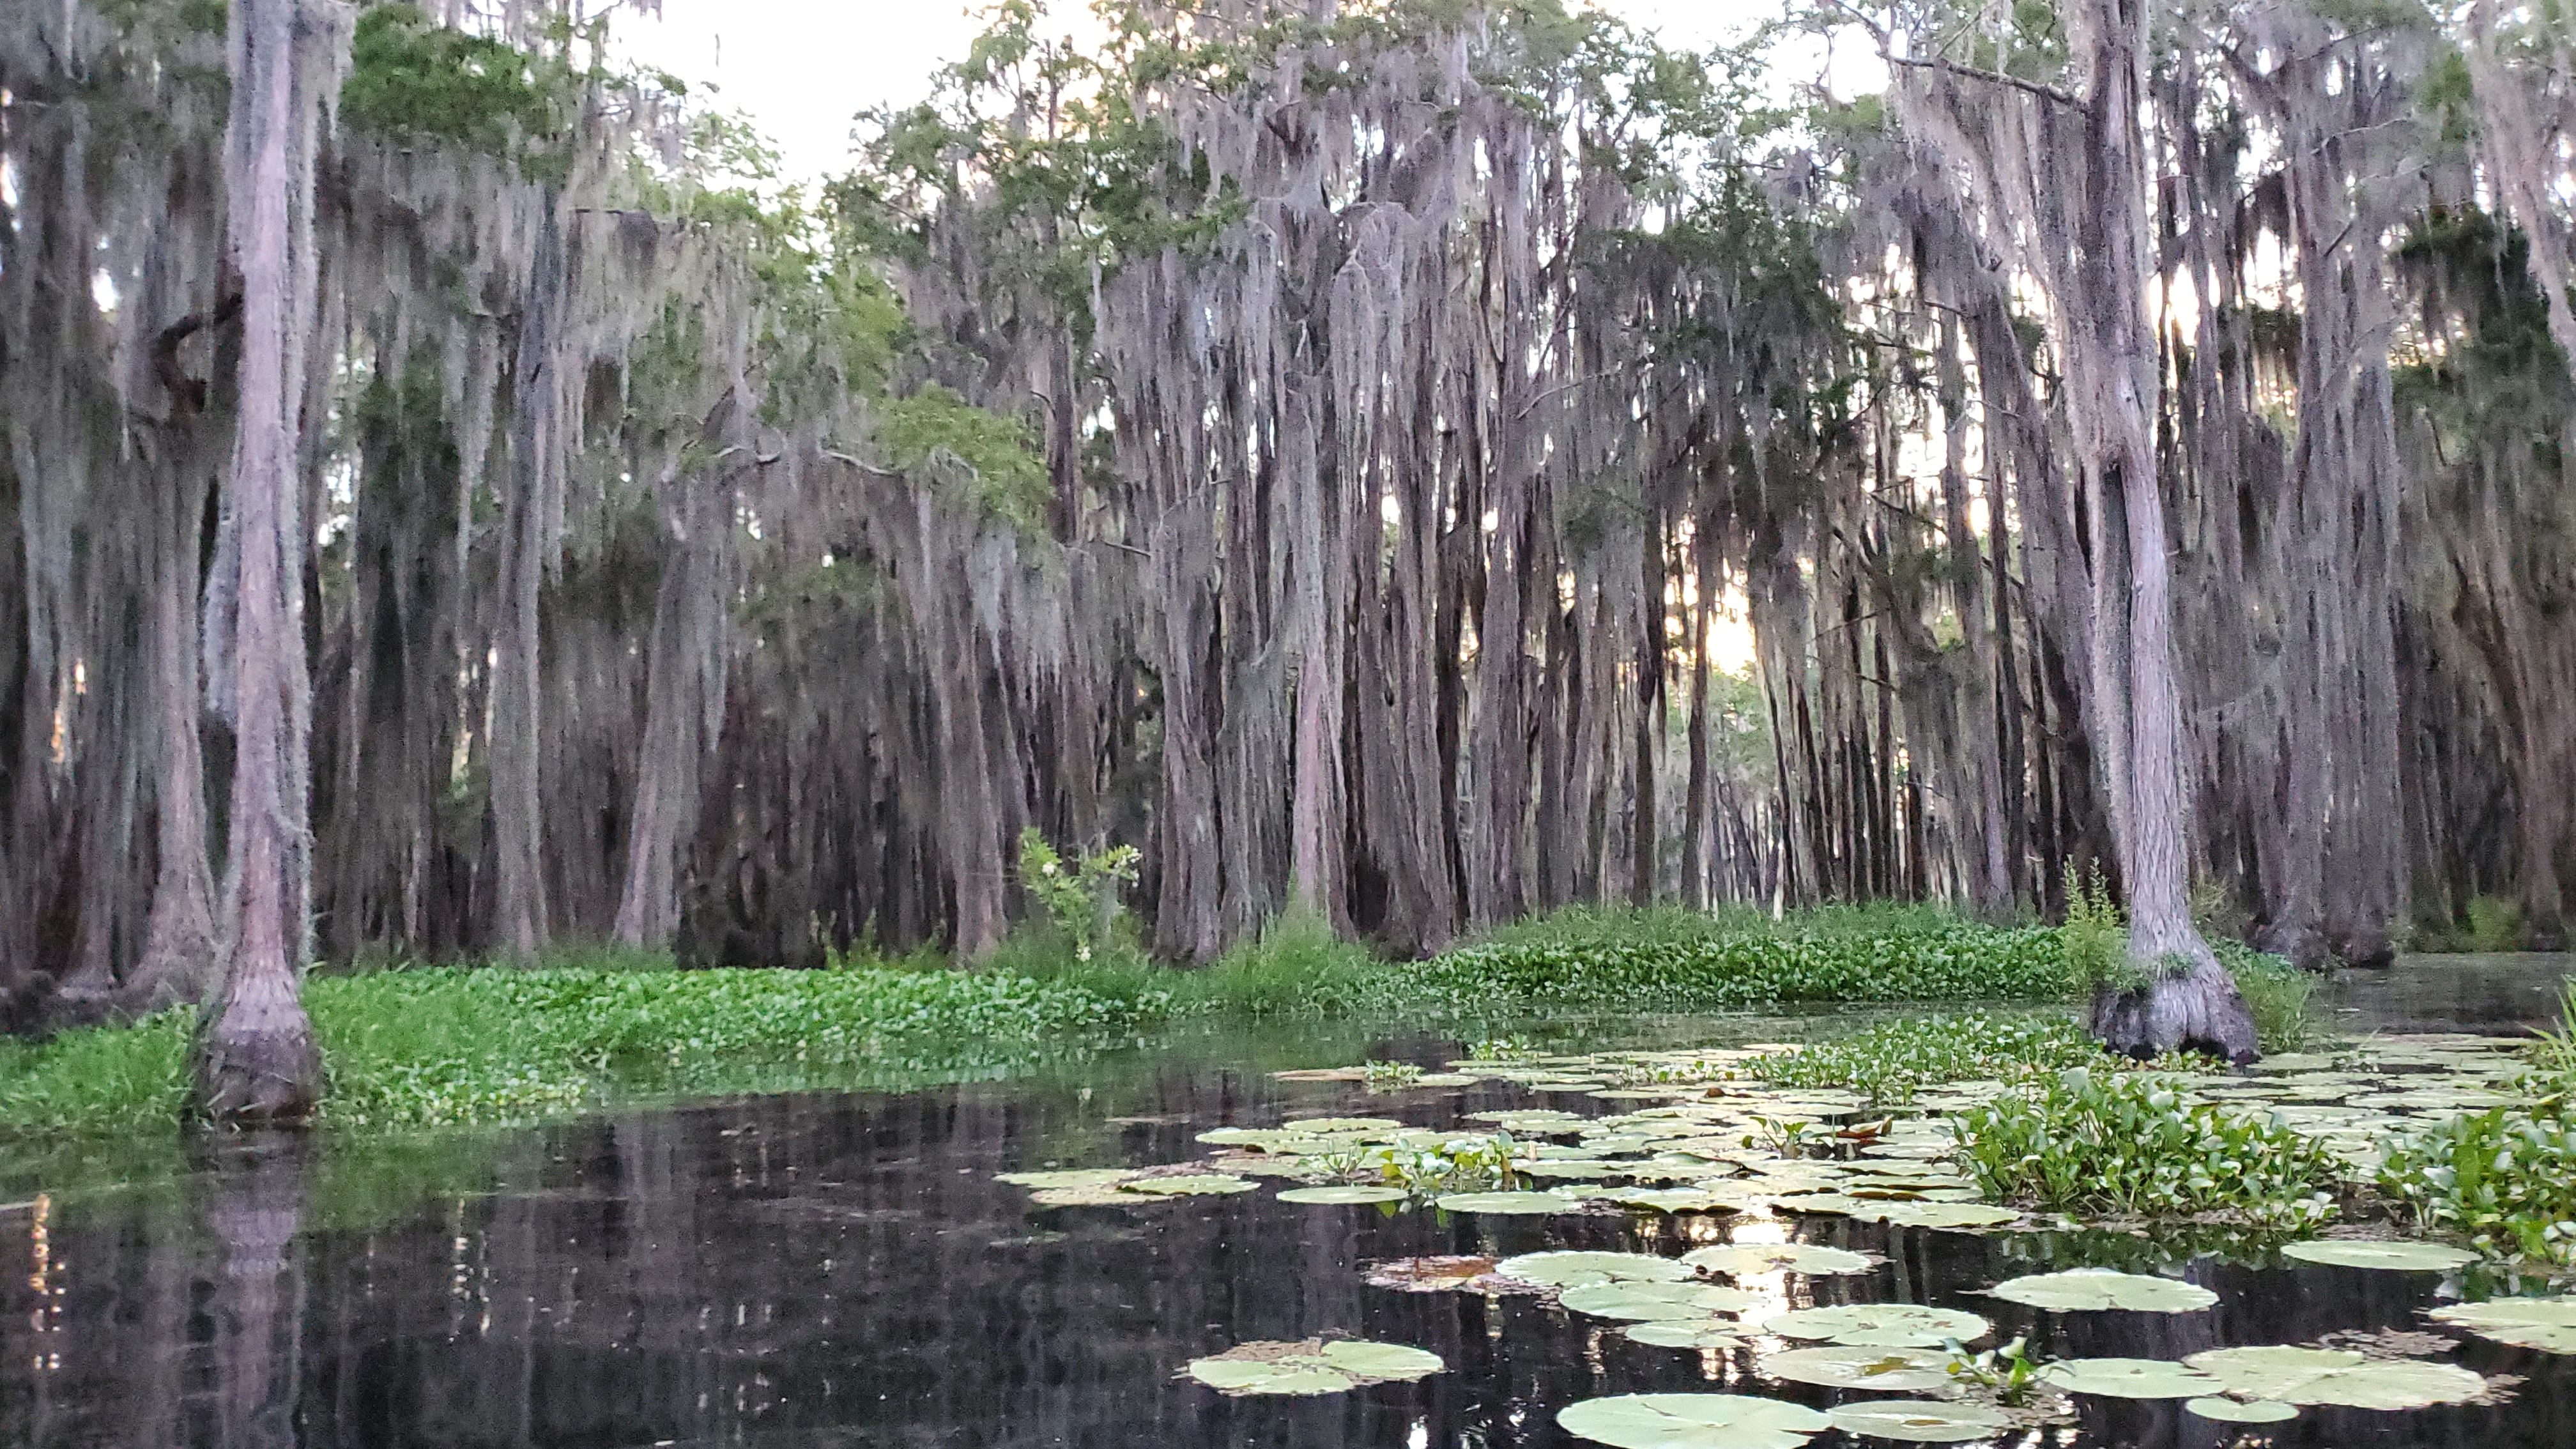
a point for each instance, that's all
(256, 1058)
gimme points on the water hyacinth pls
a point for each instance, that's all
(2133, 1143)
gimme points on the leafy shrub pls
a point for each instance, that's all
(2495, 924)
(1081, 896)
(411, 76)
(2276, 992)
(109, 1079)
(1889, 1064)
(2094, 942)
(2505, 1178)
(2128, 1142)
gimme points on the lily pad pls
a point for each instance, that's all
(1879, 1325)
(1939, 1214)
(1200, 1184)
(1736, 1260)
(1339, 1126)
(1583, 1270)
(2547, 1324)
(1829, 1204)
(1637, 1302)
(1507, 1202)
(2239, 1411)
(2093, 1290)
(2335, 1376)
(1578, 1169)
(2129, 1378)
(1700, 1333)
(1692, 1421)
(1310, 1367)
(1844, 1366)
(1678, 1199)
(1353, 1194)
(2393, 1257)
(1915, 1422)
(1103, 1196)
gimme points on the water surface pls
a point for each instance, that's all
(844, 1271)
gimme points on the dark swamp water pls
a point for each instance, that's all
(844, 1271)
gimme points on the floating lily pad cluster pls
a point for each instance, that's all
(1699, 1132)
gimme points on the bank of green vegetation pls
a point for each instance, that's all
(433, 1046)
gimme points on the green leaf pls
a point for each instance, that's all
(1692, 1421)
(2391, 1257)
(2129, 1378)
(1737, 1260)
(2233, 1411)
(2332, 1376)
(1342, 1196)
(2086, 1290)
(1915, 1422)
(2547, 1324)
(1879, 1325)
(1884, 1370)
(1640, 1302)
(1581, 1270)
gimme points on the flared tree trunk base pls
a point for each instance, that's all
(258, 1074)
(2198, 1010)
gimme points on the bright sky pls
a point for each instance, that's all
(801, 69)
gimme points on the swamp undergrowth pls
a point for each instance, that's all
(2135, 1143)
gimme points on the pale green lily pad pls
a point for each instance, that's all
(1310, 1367)
(1879, 1325)
(1695, 1333)
(1443, 1079)
(1915, 1422)
(1508, 1202)
(2236, 1411)
(1073, 1177)
(2393, 1257)
(2334, 1376)
(2129, 1378)
(1953, 1215)
(1736, 1260)
(1195, 1185)
(1582, 1270)
(1843, 1366)
(2093, 1290)
(1095, 1196)
(1677, 1199)
(1827, 1204)
(1351, 1195)
(2547, 1324)
(1580, 1169)
(1264, 1139)
(1642, 1302)
(1342, 1126)
(1692, 1421)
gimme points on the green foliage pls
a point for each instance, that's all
(2506, 1178)
(937, 427)
(2094, 943)
(103, 1080)
(1604, 960)
(2130, 1142)
(409, 76)
(2495, 924)
(1080, 897)
(2276, 993)
(1889, 1064)
(1295, 967)
(2008, 1375)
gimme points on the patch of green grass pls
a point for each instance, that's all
(104, 1080)
(2276, 992)
(2084, 1140)
(1889, 1064)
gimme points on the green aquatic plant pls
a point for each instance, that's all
(1390, 1076)
(2132, 1143)
(1311, 1367)
(2008, 1375)
(2276, 992)
(2504, 1178)
(2093, 945)
(1889, 1065)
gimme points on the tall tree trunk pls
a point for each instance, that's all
(256, 1058)
(2188, 1001)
